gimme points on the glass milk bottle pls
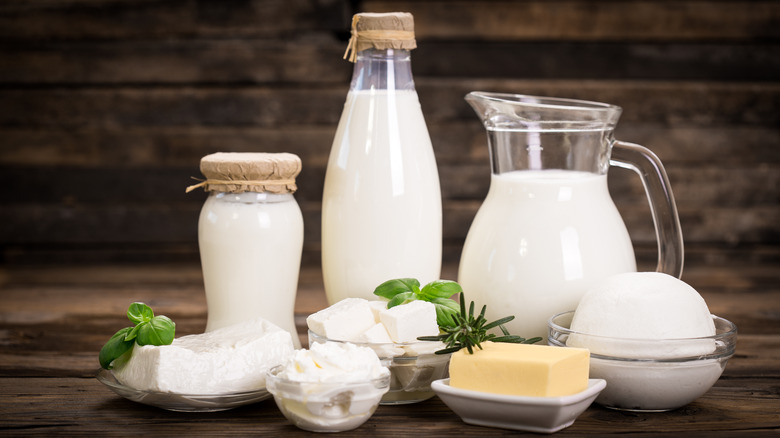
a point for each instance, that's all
(250, 234)
(381, 207)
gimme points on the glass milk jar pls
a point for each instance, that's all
(250, 234)
(548, 228)
(381, 205)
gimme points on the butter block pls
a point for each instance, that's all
(521, 369)
(406, 322)
(343, 321)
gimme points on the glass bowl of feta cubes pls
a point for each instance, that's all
(392, 334)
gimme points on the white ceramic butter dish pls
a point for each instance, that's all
(532, 414)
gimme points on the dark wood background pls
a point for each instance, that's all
(107, 106)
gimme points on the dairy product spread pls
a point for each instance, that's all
(333, 361)
(332, 386)
(642, 305)
(521, 369)
(230, 359)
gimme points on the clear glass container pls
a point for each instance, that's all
(326, 406)
(381, 207)
(548, 229)
(651, 384)
(413, 367)
(250, 234)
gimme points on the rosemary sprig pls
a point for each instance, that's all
(468, 331)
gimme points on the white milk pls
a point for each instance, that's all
(250, 248)
(381, 208)
(538, 242)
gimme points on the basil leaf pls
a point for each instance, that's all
(402, 298)
(134, 332)
(440, 289)
(115, 347)
(391, 288)
(445, 309)
(160, 330)
(139, 312)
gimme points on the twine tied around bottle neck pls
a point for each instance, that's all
(218, 182)
(381, 38)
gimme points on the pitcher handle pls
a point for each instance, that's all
(659, 193)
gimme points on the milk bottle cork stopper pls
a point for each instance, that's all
(236, 172)
(390, 30)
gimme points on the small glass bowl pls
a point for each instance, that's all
(326, 406)
(413, 366)
(659, 374)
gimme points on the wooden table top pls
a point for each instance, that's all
(53, 321)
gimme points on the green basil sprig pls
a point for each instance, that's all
(404, 290)
(148, 330)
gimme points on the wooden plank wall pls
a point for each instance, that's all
(106, 107)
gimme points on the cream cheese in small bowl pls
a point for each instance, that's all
(332, 387)
(392, 335)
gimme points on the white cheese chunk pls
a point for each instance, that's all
(375, 335)
(423, 348)
(343, 321)
(230, 359)
(406, 322)
(377, 307)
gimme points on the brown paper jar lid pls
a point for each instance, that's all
(235, 172)
(388, 30)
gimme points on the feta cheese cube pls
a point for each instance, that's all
(406, 322)
(377, 307)
(343, 321)
(375, 335)
(423, 347)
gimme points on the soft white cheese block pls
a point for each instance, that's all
(406, 322)
(343, 321)
(230, 359)
(623, 308)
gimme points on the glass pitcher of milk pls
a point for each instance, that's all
(548, 228)
(381, 203)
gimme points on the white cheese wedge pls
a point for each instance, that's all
(230, 359)
(406, 322)
(343, 321)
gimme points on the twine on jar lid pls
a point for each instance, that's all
(236, 172)
(391, 30)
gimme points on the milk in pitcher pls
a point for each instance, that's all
(539, 240)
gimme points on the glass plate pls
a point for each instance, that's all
(183, 402)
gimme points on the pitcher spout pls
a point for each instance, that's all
(523, 112)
